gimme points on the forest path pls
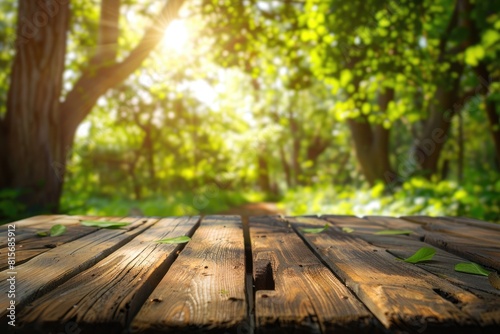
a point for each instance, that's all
(254, 209)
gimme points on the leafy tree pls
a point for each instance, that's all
(392, 60)
(39, 124)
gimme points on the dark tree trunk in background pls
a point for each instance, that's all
(296, 145)
(38, 130)
(263, 173)
(484, 77)
(428, 147)
(34, 139)
(461, 148)
(286, 167)
(494, 119)
(372, 144)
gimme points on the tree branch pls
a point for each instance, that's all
(92, 84)
(107, 39)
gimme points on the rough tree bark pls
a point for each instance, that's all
(428, 147)
(448, 100)
(38, 130)
(263, 173)
(32, 126)
(372, 144)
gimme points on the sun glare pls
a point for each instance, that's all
(176, 36)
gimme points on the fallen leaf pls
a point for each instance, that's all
(423, 254)
(176, 240)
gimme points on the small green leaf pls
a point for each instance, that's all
(315, 229)
(471, 268)
(347, 229)
(176, 240)
(57, 230)
(42, 234)
(393, 232)
(103, 224)
(423, 254)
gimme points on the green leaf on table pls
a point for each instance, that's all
(42, 233)
(57, 230)
(347, 229)
(471, 268)
(103, 224)
(393, 232)
(315, 229)
(176, 240)
(423, 254)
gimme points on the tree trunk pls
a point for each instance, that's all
(34, 149)
(427, 149)
(461, 148)
(296, 145)
(263, 174)
(38, 130)
(484, 77)
(494, 120)
(286, 167)
(372, 145)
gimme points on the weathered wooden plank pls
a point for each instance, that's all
(401, 295)
(474, 243)
(294, 290)
(106, 296)
(472, 222)
(35, 245)
(34, 220)
(27, 228)
(485, 309)
(402, 246)
(204, 290)
(50, 269)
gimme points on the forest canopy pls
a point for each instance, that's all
(123, 107)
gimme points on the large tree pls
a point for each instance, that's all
(403, 60)
(38, 128)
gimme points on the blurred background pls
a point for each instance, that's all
(158, 108)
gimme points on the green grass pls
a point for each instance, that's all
(173, 204)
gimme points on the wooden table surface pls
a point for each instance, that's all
(262, 275)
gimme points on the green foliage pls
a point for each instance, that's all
(259, 106)
(54, 231)
(57, 230)
(11, 208)
(422, 255)
(104, 224)
(471, 268)
(315, 230)
(177, 240)
(417, 196)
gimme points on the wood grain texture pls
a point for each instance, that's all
(52, 268)
(35, 245)
(27, 228)
(472, 222)
(474, 243)
(107, 281)
(400, 294)
(115, 288)
(402, 246)
(307, 297)
(485, 308)
(204, 290)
